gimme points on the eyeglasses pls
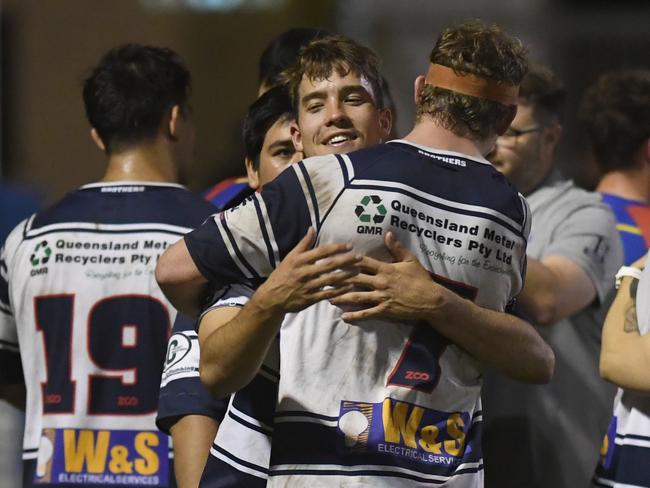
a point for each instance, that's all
(516, 133)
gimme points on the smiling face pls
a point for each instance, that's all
(276, 155)
(338, 115)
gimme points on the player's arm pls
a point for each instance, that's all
(625, 354)
(403, 290)
(180, 279)
(186, 410)
(555, 288)
(234, 342)
(192, 436)
(578, 266)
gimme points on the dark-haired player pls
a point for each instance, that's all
(186, 409)
(77, 289)
(392, 400)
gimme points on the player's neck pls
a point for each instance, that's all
(430, 134)
(633, 184)
(142, 163)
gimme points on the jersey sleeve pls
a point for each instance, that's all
(11, 370)
(244, 244)
(588, 237)
(181, 390)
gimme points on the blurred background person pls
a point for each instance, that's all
(615, 115)
(573, 254)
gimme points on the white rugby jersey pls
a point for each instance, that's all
(381, 402)
(241, 452)
(79, 300)
(625, 461)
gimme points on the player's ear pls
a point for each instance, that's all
(385, 123)
(252, 174)
(296, 136)
(507, 119)
(175, 115)
(94, 135)
(418, 86)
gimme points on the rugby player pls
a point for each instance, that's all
(78, 296)
(386, 402)
(186, 410)
(240, 455)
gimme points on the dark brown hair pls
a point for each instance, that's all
(480, 49)
(615, 114)
(320, 58)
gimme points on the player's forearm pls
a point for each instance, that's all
(555, 288)
(538, 298)
(180, 280)
(233, 353)
(496, 339)
(625, 354)
(192, 436)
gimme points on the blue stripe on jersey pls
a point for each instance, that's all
(72, 228)
(265, 234)
(169, 205)
(312, 193)
(302, 413)
(270, 371)
(309, 443)
(219, 474)
(344, 170)
(247, 424)
(257, 399)
(629, 466)
(205, 245)
(234, 245)
(369, 472)
(285, 192)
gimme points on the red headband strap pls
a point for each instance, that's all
(472, 85)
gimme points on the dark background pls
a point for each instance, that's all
(48, 45)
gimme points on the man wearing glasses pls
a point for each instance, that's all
(550, 435)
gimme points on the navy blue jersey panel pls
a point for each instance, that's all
(285, 192)
(151, 204)
(209, 252)
(218, 474)
(378, 163)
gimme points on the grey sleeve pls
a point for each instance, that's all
(588, 237)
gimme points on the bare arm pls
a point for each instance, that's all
(625, 354)
(555, 288)
(234, 342)
(404, 290)
(180, 279)
(192, 436)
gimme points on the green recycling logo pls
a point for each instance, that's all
(42, 253)
(370, 209)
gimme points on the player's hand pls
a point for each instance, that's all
(400, 290)
(306, 276)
